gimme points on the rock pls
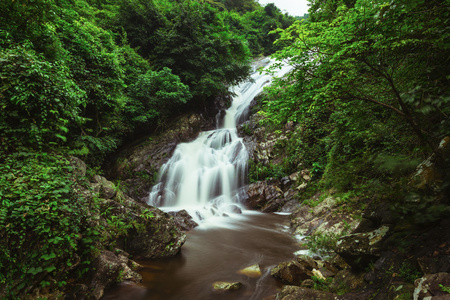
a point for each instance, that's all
(307, 283)
(307, 262)
(137, 165)
(253, 271)
(292, 273)
(160, 236)
(109, 269)
(184, 220)
(222, 286)
(429, 287)
(104, 187)
(431, 265)
(295, 293)
(360, 248)
(346, 280)
(78, 292)
(429, 173)
(294, 176)
(264, 196)
(323, 218)
(79, 166)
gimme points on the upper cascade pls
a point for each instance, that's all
(207, 176)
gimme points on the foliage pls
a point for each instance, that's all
(368, 92)
(39, 100)
(323, 243)
(160, 94)
(445, 288)
(43, 226)
(409, 271)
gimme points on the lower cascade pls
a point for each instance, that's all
(206, 177)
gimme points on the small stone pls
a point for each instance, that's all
(221, 286)
(253, 271)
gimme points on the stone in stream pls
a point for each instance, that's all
(291, 272)
(221, 286)
(253, 271)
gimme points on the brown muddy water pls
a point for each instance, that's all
(216, 251)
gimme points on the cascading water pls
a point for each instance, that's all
(206, 176)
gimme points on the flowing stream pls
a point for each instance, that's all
(207, 177)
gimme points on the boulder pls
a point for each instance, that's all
(158, 238)
(295, 293)
(291, 272)
(183, 220)
(359, 249)
(264, 196)
(253, 271)
(430, 287)
(104, 187)
(222, 286)
(109, 269)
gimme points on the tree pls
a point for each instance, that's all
(391, 55)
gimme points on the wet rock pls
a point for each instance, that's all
(253, 271)
(295, 293)
(184, 220)
(360, 248)
(109, 269)
(222, 286)
(429, 287)
(264, 196)
(291, 272)
(138, 164)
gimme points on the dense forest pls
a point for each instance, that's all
(368, 95)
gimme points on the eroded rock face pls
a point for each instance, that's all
(264, 197)
(359, 249)
(137, 165)
(323, 218)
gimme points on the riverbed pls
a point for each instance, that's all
(216, 251)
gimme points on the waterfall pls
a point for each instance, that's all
(207, 176)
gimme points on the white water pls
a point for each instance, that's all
(207, 176)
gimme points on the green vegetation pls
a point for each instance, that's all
(80, 78)
(369, 97)
(445, 288)
(44, 228)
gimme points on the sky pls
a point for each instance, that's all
(292, 7)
